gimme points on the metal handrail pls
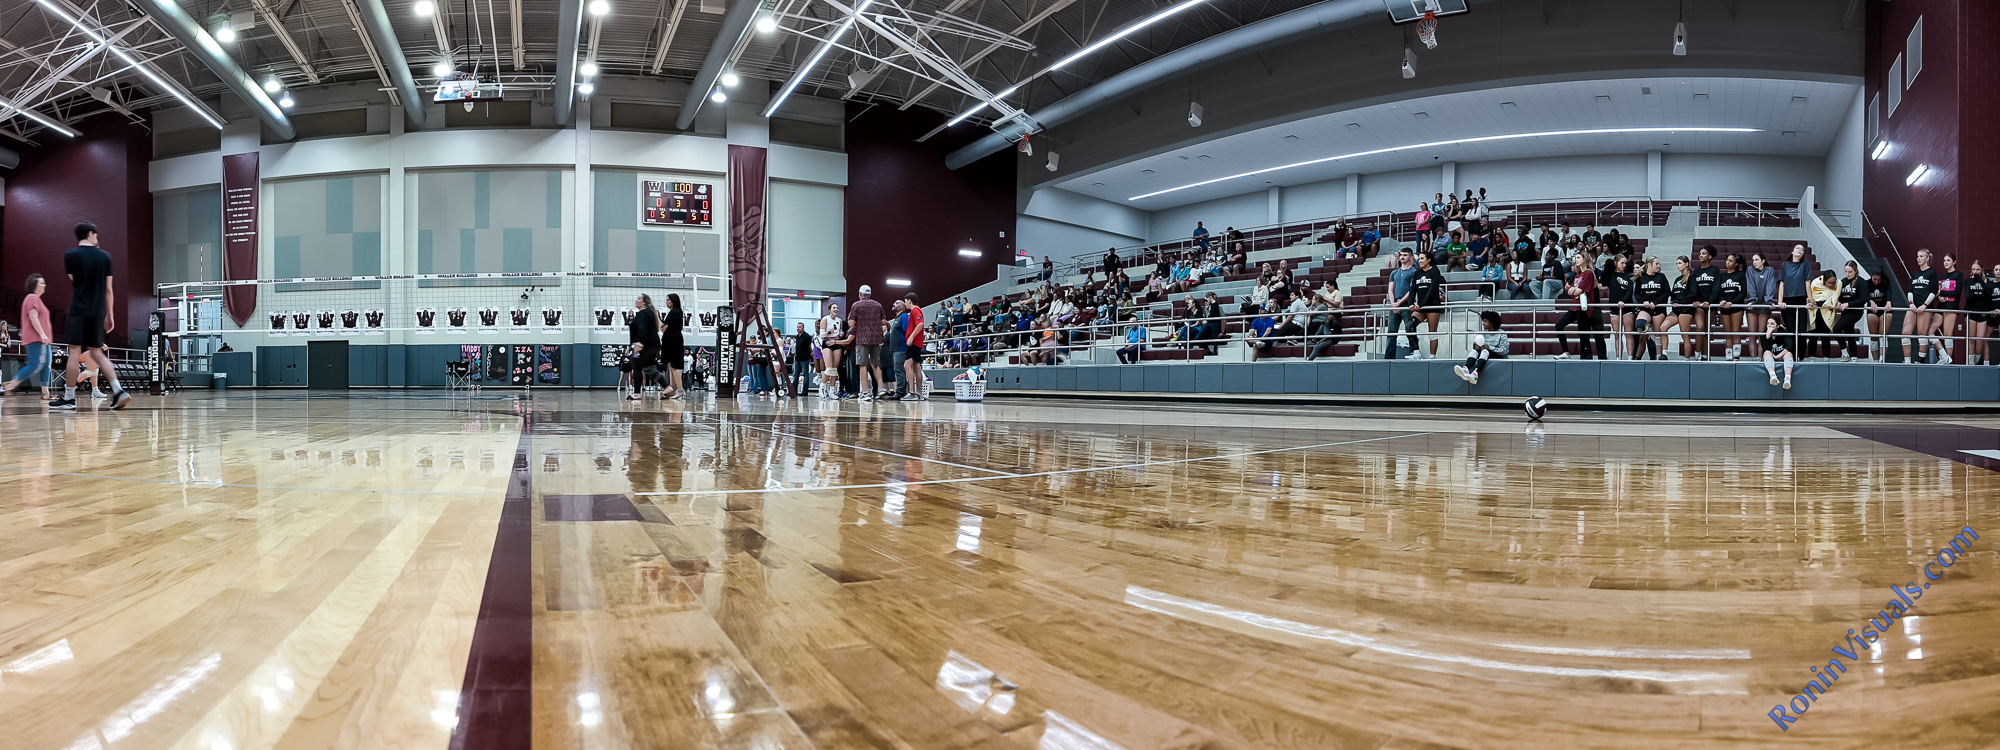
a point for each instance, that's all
(1103, 335)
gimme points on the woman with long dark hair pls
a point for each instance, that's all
(1616, 283)
(671, 346)
(1876, 311)
(1848, 309)
(1978, 313)
(1762, 283)
(1707, 291)
(645, 334)
(1685, 312)
(1731, 297)
(1949, 296)
(1651, 292)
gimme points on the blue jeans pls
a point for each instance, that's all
(1399, 319)
(36, 372)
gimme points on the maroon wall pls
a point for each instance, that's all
(1941, 122)
(101, 176)
(908, 216)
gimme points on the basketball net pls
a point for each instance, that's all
(1427, 30)
(1022, 145)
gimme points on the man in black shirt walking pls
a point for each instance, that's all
(91, 315)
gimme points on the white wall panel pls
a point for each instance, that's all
(806, 230)
(1554, 177)
(1246, 210)
(1400, 191)
(182, 172)
(691, 153)
(1039, 237)
(1685, 177)
(807, 165)
(1085, 211)
(1315, 200)
(1842, 188)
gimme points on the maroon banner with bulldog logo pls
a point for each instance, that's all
(748, 255)
(239, 234)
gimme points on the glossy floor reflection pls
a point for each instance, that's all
(285, 570)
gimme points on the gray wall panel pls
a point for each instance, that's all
(1622, 379)
(1852, 382)
(1666, 380)
(1937, 383)
(1578, 380)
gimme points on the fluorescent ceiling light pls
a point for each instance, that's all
(1881, 147)
(9, 109)
(143, 69)
(969, 253)
(824, 47)
(1479, 139)
(1917, 174)
(896, 282)
(1080, 54)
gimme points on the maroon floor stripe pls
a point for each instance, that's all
(1941, 440)
(495, 705)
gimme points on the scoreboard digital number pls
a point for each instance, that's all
(679, 203)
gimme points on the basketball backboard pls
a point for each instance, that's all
(1407, 11)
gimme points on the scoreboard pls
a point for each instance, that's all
(679, 203)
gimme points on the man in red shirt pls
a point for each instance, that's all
(870, 326)
(913, 347)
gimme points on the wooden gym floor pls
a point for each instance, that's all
(279, 569)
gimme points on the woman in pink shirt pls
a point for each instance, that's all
(35, 334)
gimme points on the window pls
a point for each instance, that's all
(1894, 84)
(1914, 49)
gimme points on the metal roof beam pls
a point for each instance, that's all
(735, 28)
(382, 37)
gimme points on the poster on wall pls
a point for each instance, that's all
(552, 320)
(374, 318)
(455, 320)
(474, 357)
(548, 364)
(517, 320)
(521, 372)
(325, 318)
(350, 322)
(426, 320)
(301, 321)
(610, 355)
(489, 320)
(602, 318)
(278, 324)
(498, 363)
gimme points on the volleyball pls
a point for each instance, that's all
(1535, 407)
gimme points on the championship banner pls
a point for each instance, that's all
(239, 234)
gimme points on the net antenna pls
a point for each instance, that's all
(1427, 29)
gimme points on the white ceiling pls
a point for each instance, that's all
(1772, 106)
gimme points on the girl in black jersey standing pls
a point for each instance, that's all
(1426, 301)
(1707, 287)
(1917, 321)
(1978, 312)
(1684, 308)
(1945, 315)
(1875, 309)
(1616, 282)
(1848, 310)
(1731, 300)
(1650, 294)
(1993, 303)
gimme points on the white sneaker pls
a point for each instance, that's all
(1415, 355)
(1944, 357)
(1735, 353)
(1847, 357)
(1562, 355)
(1774, 379)
(1788, 382)
(1462, 373)
(1474, 378)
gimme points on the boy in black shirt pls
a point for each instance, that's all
(91, 315)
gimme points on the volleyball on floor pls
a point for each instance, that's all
(1535, 407)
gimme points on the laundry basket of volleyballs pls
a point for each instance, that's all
(969, 385)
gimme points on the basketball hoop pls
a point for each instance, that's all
(1023, 147)
(1427, 30)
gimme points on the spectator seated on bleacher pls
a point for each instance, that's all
(1135, 341)
(1371, 242)
(1260, 336)
(1453, 254)
(1493, 276)
(1323, 320)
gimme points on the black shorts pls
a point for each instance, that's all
(84, 332)
(1979, 316)
(914, 354)
(1945, 305)
(1726, 312)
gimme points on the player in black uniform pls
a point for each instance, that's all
(1945, 311)
(1684, 309)
(1651, 293)
(1993, 302)
(1879, 317)
(1775, 352)
(1707, 286)
(1848, 308)
(1917, 322)
(1978, 312)
(1426, 301)
(1732, 300)
(1616, 283)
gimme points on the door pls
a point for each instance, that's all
(326, 365)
